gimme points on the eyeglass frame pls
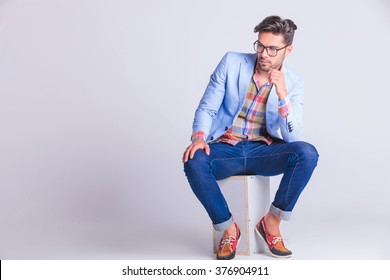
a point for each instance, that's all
(266, 48)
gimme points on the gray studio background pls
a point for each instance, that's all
(96, 105)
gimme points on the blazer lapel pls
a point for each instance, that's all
(246, 71)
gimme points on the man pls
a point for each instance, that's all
(248, 122)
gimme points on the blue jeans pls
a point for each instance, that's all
(296, 160)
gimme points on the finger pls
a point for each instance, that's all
(274, 77)
(207, 149)
(270, 75)
(192, 152)
(186, 153)
(276, 73)
(185, 157)
(271, 80)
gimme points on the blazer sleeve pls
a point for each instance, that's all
(212, 99)
(291, 127)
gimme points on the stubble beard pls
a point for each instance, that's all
(264, 67)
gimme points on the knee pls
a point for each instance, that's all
(195, 164)
(307, 152)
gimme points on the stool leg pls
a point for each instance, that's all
(249, 200)
(258, 205)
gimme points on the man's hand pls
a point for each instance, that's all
(196, 145)
(276, 77)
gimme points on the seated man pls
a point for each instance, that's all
(248, 122)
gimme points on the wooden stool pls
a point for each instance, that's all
(248, 198)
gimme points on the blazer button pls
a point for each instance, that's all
(290, 126)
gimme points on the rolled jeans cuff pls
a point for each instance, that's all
(284, 215)
(224, 225)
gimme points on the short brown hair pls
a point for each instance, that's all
(277, 25)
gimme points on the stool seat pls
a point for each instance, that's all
(248, 198)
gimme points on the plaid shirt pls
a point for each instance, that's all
(250, 123)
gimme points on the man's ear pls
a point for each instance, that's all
(289, 49)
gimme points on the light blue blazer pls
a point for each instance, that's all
(225, 96)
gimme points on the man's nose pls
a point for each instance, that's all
(263, 53)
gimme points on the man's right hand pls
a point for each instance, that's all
(196, 145)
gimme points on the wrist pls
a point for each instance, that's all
(199, 135)
(284, 107)
(282, 95)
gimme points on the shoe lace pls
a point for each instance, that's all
(278, 239)
(226, 241)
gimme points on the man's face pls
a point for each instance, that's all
(266, 62)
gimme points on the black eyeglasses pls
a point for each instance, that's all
(271, 51)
